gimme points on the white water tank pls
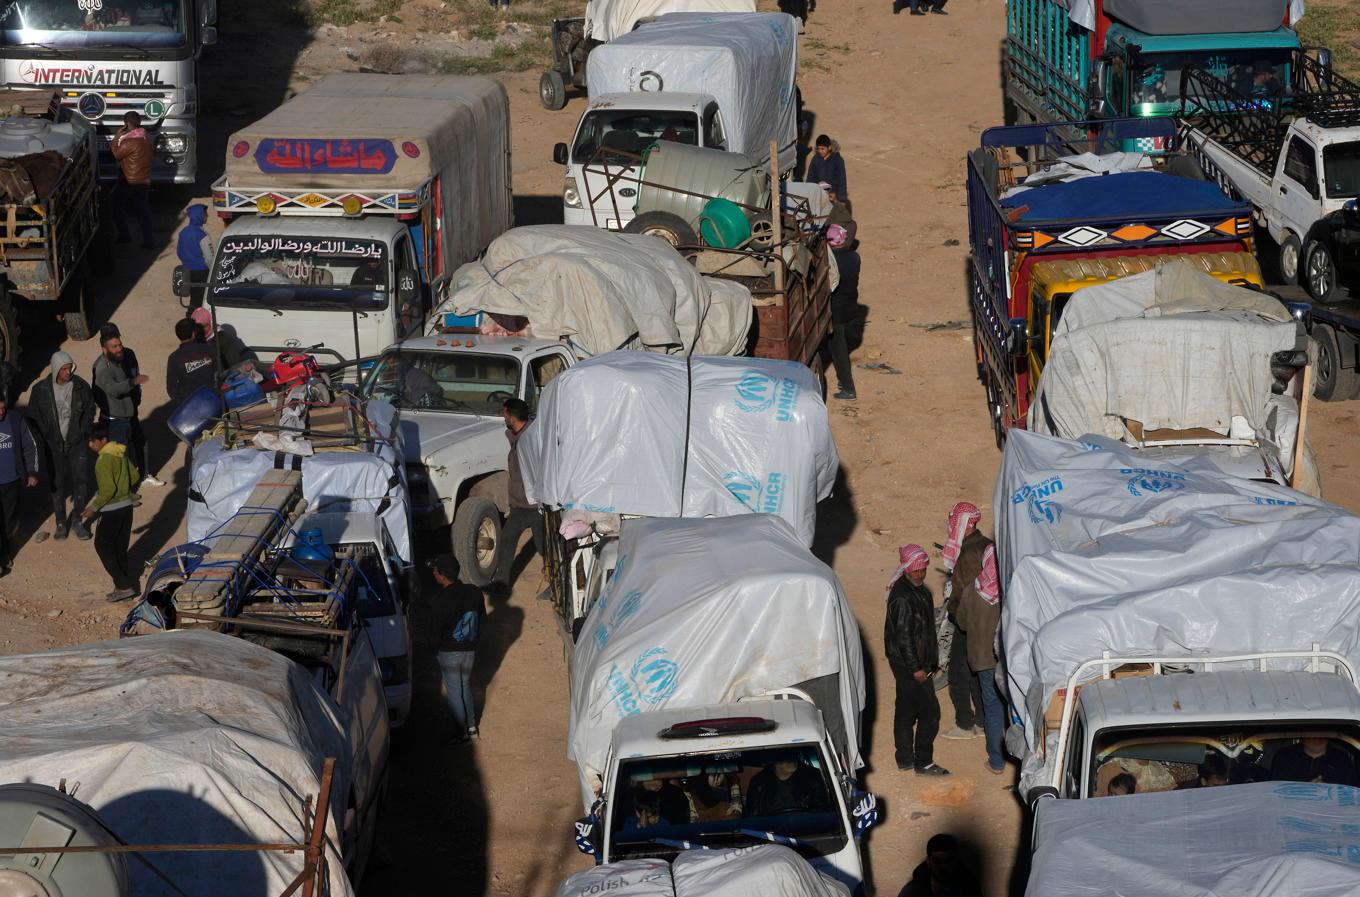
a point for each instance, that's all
(38, 816)
(22, 136)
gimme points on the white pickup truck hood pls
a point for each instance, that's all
(439, 439)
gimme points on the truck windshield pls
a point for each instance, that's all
(728, 799)
(101, 23)
(1156, 82)
(631, 131)
(277, 268)
(1341, 167)
(466, 382)
(1224, 754)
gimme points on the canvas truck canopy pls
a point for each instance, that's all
(748, 62)
(704, 612)
(389, 134)
(181, 738)
(600, 290)
(1100, 551)
(1180, 17)
(1270, 839)
(608, 19)
(1170, 348)
(654, 436)
(768, 870)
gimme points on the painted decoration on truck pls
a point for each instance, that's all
(327, 156)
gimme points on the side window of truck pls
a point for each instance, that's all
(1038, 326)
(1300, 165)
(713, 129)
(544, 369)
(1076, 752)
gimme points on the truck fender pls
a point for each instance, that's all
(494, 486)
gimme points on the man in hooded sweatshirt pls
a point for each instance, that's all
(61, 407)
(18, 464)
(195, 251)
(115, 480)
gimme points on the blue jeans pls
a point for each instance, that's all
(456, 667)
(993, 718)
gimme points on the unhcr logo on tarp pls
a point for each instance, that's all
(1037, 497)
(758, 391)
(762, 498)
(1152, 482)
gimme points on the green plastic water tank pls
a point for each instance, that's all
(723, 224)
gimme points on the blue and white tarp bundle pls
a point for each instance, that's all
(336, 481)
(1271, 839)
(704, 612)
(1100, 550)
(647, 435)
(767, 870)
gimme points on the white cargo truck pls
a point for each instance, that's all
(718, 80)
(351, 206)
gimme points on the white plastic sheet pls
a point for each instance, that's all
(769, 870)
(181, 738)
(602, 291)
(649, 435)
(704, 612)
(626, 878)
(607, 19)
(338, 481)
(1215, 17)
(1270, 839)
(1099, 550)
(748, 62)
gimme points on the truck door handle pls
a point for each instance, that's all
(1283, 189)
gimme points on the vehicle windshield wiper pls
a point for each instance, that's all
(51, 50)
(136, 53)
(772, 837)
(678, 843)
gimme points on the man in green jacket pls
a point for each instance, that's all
(114, 477)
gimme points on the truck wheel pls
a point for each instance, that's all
(76, 317)
(1289, 260)
(476, 538)
(552, 90)
(1332, 382)
(9, 331)
(1319, 272)
(669, 227)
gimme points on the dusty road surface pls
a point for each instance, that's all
(906, 97)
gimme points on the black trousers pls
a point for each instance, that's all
(916, 706)
(9, 519)
(840, 357)
(137, 199)
(964, 692)
(519, 520)
(112, 535)
(69, 475)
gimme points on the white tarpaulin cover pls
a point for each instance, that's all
(1098, 550)
(1179, 17)
(748, 62)
(607, 19)
(769, 870)
(181, 738)
(1170, 348)
(704, 612)
(331, 480)
(602, 291)
(1271, 839)
(652, 436)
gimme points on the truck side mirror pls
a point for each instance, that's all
(560, 153)
(179, 281)
(1324, 59)
(1095, 89)
(408, 287)
(208, 35)
(1017, 338)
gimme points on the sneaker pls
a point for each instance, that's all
(958, 734)
(931, 769)
(905, 767)
(458, 738)
(61, 532)
(120, 595)
(847, 394)
(473, 732)
(152, 481)
(82, 533)
(938, 12)
(897, 8)
(995, 772)
(917, 12)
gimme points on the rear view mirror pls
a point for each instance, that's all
(560, 153)
(209, 35)
(1017, 337)
(180, 282)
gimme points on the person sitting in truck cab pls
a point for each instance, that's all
(369, 274)
(657, 801)
(1315, 760)
(1264, 82)
(787, 785)
(1215, 771)
(714, 796)
(1122, 784)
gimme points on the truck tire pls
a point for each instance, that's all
(1289, 260)
(552, 90)
(669, 227)
(1319, 273)
(476, 539)
(1332, 382)
(9, 330)
(76, 315)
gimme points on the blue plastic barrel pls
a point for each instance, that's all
(196, 413)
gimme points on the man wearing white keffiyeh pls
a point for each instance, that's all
(964, 692)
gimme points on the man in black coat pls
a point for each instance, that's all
(190, 366)
(844, 308)
(914, 655)
(61, 407)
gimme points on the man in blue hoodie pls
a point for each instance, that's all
(195, 251)
(18, 463)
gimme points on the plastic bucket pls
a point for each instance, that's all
(723, 224)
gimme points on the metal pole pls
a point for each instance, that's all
(316, 844)
(776, 220)
(1299, 440)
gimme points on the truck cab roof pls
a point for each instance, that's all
(1321, 136)
(1280, 38)
(476, 343)
(796, 721)
(368, 228)
(659, 100)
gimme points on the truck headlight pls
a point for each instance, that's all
(174, 143)
(571, 197)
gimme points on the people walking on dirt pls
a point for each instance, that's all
(132, 149)
(844, 309)
(61, 407)
(195, 251)
(523, 515)
(975, 604)
(964, 692)
(115, 479)
(234, 350)
(828, 166)
(118, 381)
(921, 7)
(942, 873)
(913, 651)
(18, 467)
(190, 366)
(463, 612)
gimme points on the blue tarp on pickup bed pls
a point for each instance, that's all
(1125, 195)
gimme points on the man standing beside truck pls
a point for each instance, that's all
(132, 148)
(964, 693)
(914, 656)
(62, 408)
(458, 644)
(523, 515)
(976, 606)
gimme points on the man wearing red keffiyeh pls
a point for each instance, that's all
(914, 656)
(976, 607)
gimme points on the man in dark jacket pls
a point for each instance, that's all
(195, 251)
(523, 515)
(827, 166)
(943, 873)
(18, 464)
(61, 408)
(463, 612)
(785, 786)
(844, 309)
(914, 656)
(976, 607)
(190, 366)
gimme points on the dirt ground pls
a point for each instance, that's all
(906, 97)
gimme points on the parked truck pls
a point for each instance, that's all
(1119, 662)
(1069, 61)
(111, 58)
(671, 695)
(1293, 153)
(351, 206)
(720, 80)
(1079, 214)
